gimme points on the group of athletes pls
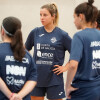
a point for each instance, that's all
(23, 77)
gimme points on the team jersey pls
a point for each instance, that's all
(49, 50)
(86, 50)
(15, 73)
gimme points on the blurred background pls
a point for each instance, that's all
(28, 11)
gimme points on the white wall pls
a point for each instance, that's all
(28, 11)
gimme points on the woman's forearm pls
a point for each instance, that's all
(71, 72)
(4, 89)
(28, 87)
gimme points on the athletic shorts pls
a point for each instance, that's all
(91, 93)
(52, 92)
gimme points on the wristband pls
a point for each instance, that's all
(11, 95)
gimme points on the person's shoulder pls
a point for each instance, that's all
(2, 44)
(79, 33)
(36, 29)
(61, 31)
(4, 48)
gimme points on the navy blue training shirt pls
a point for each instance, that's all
(15, 73)
(49, 50)
(86, 50)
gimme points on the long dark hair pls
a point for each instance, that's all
(98, 20)
(88, 10)
(12, 28)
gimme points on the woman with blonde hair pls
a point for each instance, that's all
(50, 43)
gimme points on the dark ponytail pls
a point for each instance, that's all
(90, 2)
(17, 45)
(12, 28)
(98, 20)
(88, 10)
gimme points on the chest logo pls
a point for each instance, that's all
(53, 39)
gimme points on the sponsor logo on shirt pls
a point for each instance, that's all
(44, 62)
(95, 65)
(48, 56)
(38, 46)
(95, 44)
(44, 55)
(95, 54)
(15, 70)
(11, 58)
(44, 46)
(12, 81)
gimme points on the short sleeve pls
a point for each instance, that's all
(76, 48)
(33, 71)
(0, 74)
(30, 40)
(67, 42)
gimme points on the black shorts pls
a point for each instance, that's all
(52, 92)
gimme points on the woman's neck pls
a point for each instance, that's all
(88, 25)
(49, 28)
(7, 40)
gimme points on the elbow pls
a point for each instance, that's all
(73, 67)
(73, 64)
(35, 83)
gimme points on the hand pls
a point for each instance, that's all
(59, 69)
(69, 90)
(15, 97)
